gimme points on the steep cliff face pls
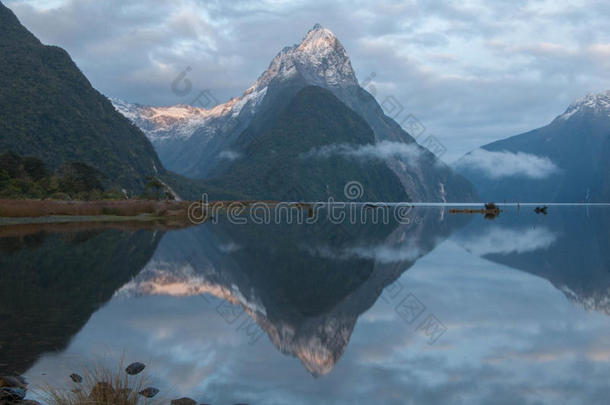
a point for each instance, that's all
(198, 142)
(284, 158)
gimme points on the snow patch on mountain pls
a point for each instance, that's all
(598, 104)
(318, 344)
(598, 301)
(182, 121)
(319, 58)
(158, 123)
(182, 280)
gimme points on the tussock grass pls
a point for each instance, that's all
(101, 386)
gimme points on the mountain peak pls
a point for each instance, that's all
(593, 103)
(320, 59)
(316, 26)
(319, 38)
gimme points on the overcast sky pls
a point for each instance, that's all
(470, 71)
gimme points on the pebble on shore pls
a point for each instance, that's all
(135, 368)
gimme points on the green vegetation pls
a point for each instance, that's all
(28, 177)
(156, 190)
(274, 165)
(101, 385)
(49, 110)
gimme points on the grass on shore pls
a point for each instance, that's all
(101, 386)
(125, 208)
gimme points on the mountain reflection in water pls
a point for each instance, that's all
(208, 306)
(305, 285)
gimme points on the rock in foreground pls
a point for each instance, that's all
(149, 392)
(135, 368)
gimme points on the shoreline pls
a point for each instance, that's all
(62, 219)
(136, 213)
(23, 212)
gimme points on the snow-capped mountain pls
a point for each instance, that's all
(170, 128)
(320, 58)
(591, 104)
(161, 123)
(196, 143)
(567, 160)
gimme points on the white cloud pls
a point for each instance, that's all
(384, 254)
(382, 150)
(505, 67)
(229, 155)
(504, 241)
(496, 165)
(229, 247)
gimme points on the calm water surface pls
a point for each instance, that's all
(445, 309)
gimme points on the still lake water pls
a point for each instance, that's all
(445, 309)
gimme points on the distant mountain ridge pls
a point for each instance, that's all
(319, 60)
(576, 145)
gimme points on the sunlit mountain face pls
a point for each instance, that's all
(295, 312)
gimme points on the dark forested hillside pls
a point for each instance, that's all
(275, 163)
(49, 110)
